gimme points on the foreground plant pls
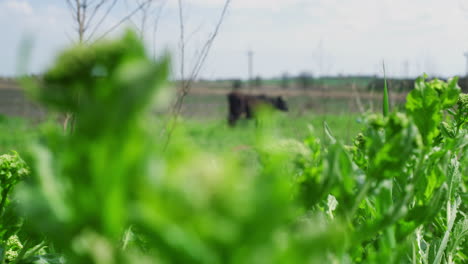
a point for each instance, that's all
(108, 193)
(16, 245)
(400, 187)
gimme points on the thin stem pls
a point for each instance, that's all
(385, 96)
(103, 18)
(4, 198)
(156, 26)
(116, 25)
(362, 193)
(182, 44)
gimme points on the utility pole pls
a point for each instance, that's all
(250, 65)
(406, 69)
(466, 56)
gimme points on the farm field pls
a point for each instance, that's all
(209, 102)
(342, 177)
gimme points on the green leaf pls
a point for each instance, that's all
(328, 132)
(423, 105)
(453, 177)
(459, 236)
(452, 210)
(388, 153)
(447, 131)
(386, 107)
(421, 214)
(449, 93)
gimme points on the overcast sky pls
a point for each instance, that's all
(324, 37)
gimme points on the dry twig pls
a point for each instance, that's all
(186, 82)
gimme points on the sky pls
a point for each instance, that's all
(321, 37)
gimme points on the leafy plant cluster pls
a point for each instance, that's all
(17, 246)
(108, 192)
(400, 187)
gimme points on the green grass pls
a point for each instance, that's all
(217, 136)
(15, 133)
(212, 133)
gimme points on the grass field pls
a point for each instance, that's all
(212, 134)
(205, 112)
(15, 133)
(216, 135)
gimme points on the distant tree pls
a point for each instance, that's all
(400, 85)
(236, 84)
(258, 81)
(463, 82)
(305, 80)
(285, 79)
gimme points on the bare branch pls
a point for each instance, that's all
(182, 44)
(71, 7)
(193, 33)
(79, 19)
(94, 12)
(140, 26)
(186, 83)
(103, 18)
(128, 6)
(73, 10)
(144, 17)
(83, 20)
(68, 36)
(156, 25)
(120, 22)
(207, 47)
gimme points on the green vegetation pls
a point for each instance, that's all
(16, 244)
(274, 191)
(14, 134)
(216, 135)
(386, 106)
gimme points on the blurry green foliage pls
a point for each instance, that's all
(15, 134)
(109, 193)
(12, 170)
(426, 102)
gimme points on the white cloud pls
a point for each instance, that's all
(18, 6)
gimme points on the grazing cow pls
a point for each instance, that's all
(243, 104)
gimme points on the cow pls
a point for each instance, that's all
(245, 105)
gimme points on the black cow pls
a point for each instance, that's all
(244, 105)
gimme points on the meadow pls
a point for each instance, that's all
(322, 183)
